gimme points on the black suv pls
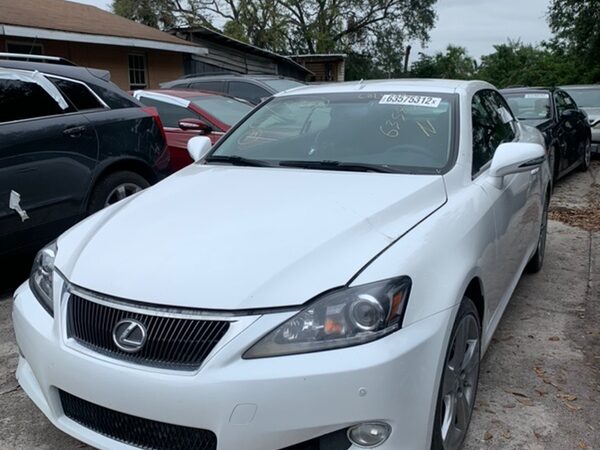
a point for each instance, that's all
(565, 127)
(253, 88)
(71, 143)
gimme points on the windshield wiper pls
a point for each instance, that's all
(338, 165)
(238, 161)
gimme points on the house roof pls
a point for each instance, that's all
(219, 38)
(70, 21)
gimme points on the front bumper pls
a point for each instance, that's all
(258, 404)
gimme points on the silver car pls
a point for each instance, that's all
(587, 97)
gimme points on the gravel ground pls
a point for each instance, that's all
(540, 379)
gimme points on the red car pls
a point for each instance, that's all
(185, 114)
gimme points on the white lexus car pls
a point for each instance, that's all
(327, 277)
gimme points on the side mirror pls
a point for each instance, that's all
(568, 114)
(198, 147)
(515, 157)
(194, 125)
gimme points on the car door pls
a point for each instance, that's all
(171, 111)
(47, 151)
(567, 130)
(515, 211)
(581, 125)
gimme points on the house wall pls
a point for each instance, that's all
(161, 66)
(326, 70)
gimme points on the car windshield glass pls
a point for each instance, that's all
(375, 131)
(586, 98)
(281, 84)
(530, 105)
(225, 109)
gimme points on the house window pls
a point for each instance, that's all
(25, 48)
(137, 71)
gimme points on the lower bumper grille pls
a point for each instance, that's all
(132, 430)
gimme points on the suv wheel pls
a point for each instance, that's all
(115, 187)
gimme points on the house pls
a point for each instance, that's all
(226, 54)
(325, 67)
(137, 56)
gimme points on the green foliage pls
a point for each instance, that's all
(576, 25)
(455, 63)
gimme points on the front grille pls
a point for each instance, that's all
(178, 343)
(132, 430)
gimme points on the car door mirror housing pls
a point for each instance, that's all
(194, 125)
(516, 157)
(198, 147)
(568, 114)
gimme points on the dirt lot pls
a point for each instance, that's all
(540, 380)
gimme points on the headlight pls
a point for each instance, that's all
(41, 276)
(345, 317)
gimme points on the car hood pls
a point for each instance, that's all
(226, 237)
(593, 114)
(540, 124)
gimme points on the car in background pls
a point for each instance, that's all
(71, 143)
(587, 97)
(328, 276)
(253, 88)
(185, 114)
(557, 116)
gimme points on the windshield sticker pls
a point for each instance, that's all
(536, 96)
(410, 100)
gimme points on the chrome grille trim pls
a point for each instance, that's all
(176, 340)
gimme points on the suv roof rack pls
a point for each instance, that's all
(38, 58)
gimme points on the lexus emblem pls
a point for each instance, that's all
(129, 335)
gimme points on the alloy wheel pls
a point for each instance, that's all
(120, 192)
(588, 155)
(459, 383)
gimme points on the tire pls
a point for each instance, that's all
(537, 260)
(587, 157)
(115, 187)
(457, 391)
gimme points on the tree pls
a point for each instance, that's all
(162, 14)
(455, 63)
(576, 25)
(514, 63)
(361, 27)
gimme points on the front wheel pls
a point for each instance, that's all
(115, 187)
(587, 156)
(460, 377)
(537, 260)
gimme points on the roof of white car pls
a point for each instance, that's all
(407, 84)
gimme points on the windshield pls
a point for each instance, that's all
(530, 106)
(224, 109)
(281, 84)
(401, 132)
(585, 98)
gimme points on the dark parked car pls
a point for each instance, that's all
(186, 113)
(253, 88)
(587, 97)
(564, 125)
(71, 143)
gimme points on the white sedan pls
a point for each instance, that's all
(328, 276)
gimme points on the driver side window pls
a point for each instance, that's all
(492, 126)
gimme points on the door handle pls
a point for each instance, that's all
(74, 131)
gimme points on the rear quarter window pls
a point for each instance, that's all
(78, 93)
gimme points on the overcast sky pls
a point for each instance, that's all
(474, 24)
